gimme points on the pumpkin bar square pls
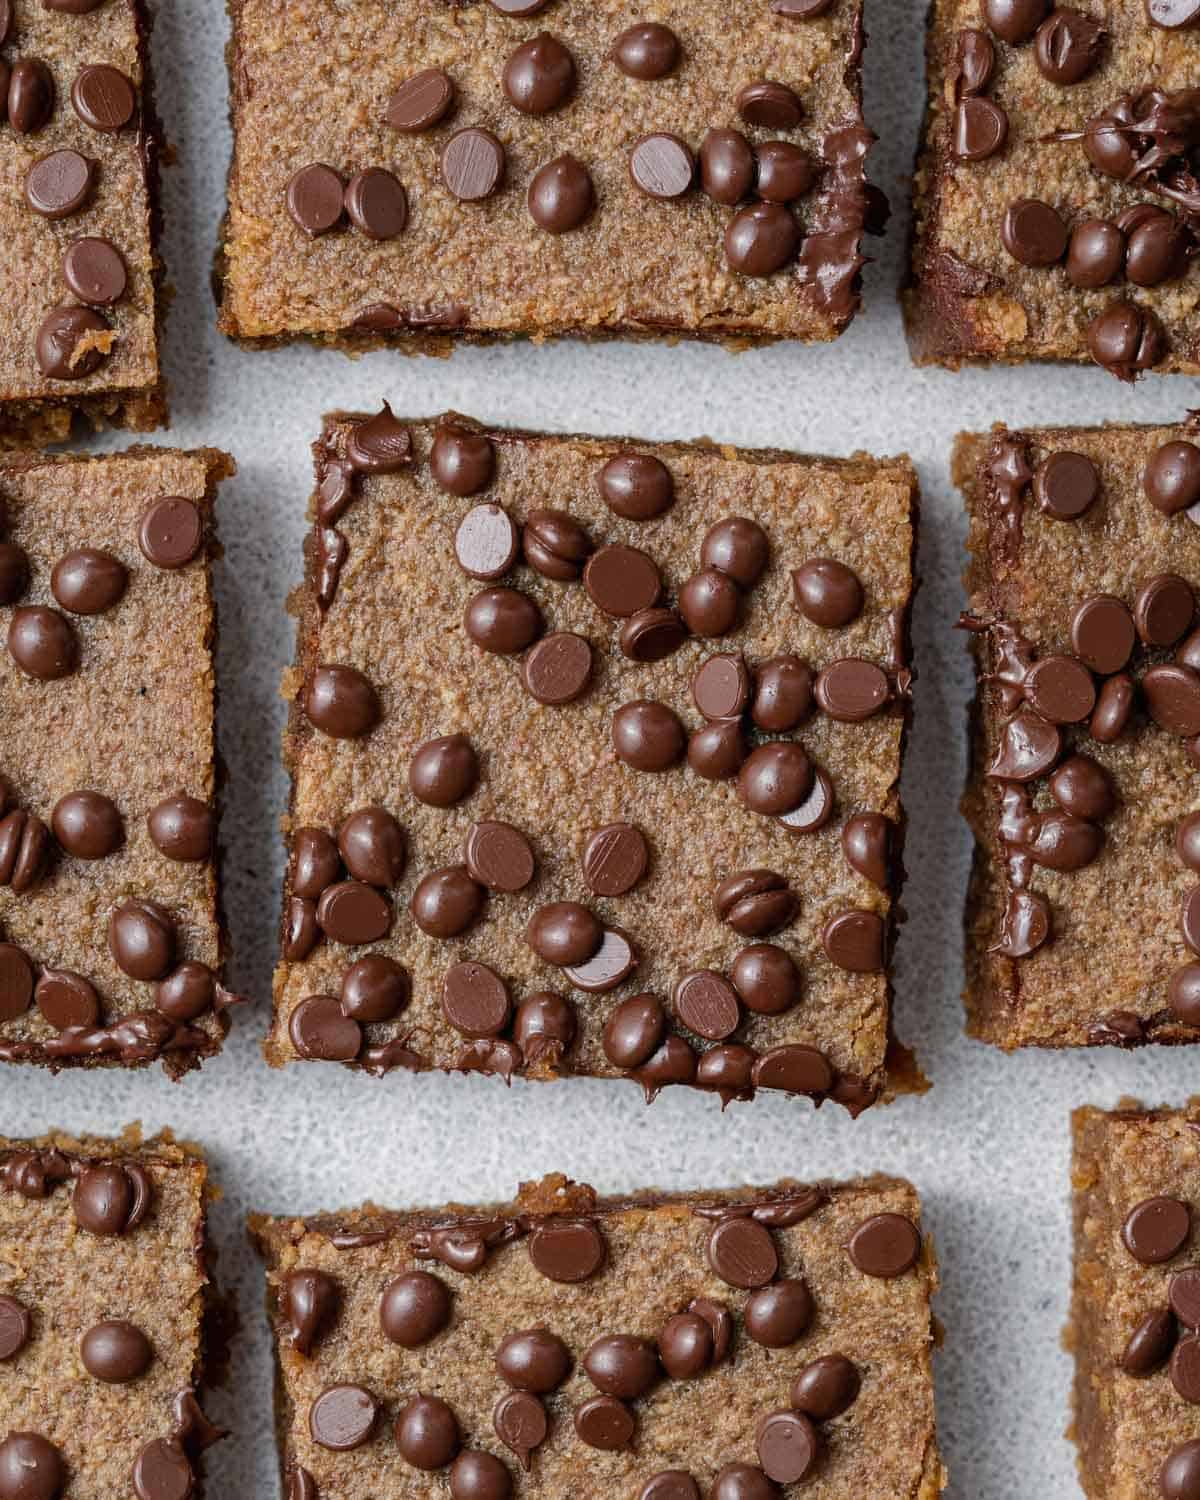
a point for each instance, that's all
(1084, 567)
(107, 1312)
(79, 260)
(418, 173)
(1135, 1311)
(660, 1346)
(110, 932)
(595, 749)
(1056, 207)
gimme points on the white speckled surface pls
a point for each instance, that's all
(988, 1147)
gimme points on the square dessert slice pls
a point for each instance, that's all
(416, 172)
(104, 1296)
(1135, 1312)
(660, 1347)
(1084, 909)
(78, 261)
(595, 750)
(110, 934)
(1056, 207)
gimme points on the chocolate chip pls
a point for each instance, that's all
(446, 902)
(24, 850)
(66, 999)
(414, 1308)
(421, 101)
(427, 1433)
(974, 61)
(58, 185)
(1083, 787)
(637, 486)
(1179, 1477)
(755, 902)
(673, 1062)
(88, 581)
(141, 939)
(555, 545)
(353, 912)
(854, 940)
(1187, 841)
(1172, 477)
(605, 1423)
(1184, 1369)
(16, 982)
(737, 546)
(827, 592)
(795, 1070)
(1189, 920)
(746, 1481)
(646, 51)
(685, 1346)
(787, 1445)
(15, 1327)
(183, 828)
(1014, 21)
(301, 932)
(535, 1360)
(115, 1352)
(778, 1314)
(1149, 1344)
(1065, 485)
(475, 999)
(171, 532)
(502, 620)
(544, 1027)
(1034, 233)
(187, 992)
(375, 988)
(885, 1245)
(707, 1004)
(728, 1070)
(718, 750)
(564, 933)
(1067, 46)
(662, 166)
(87, 825)
(371, 843)
(31, 1468)
(1060, 689)
(709, 602)
(103, 97)
(1103, 633)
(851, 689)
(670, 1484)
(521, 1424)
(609, 966)
(980, 129)
(727, 166)
(499, 856)
(1159, 250)
(72, 343)
(320, 1030)
(1164, 609)
(461, 461)
(475, 1475)
(634, 1031)
(775, 778)
(865, 842)
(1184, 1296)
(30, 99)
(444, 771)
(316, 199)
(766, 979)
(826, 1388)
(1125, 339)
(472, 165)
(817, 808)
(621, 1365)
(1029, 747)
(1095, 253)
(761, 238)
(785, 172)
(1156, 1229)
(652, 635)
(342, 1417)
(42, 643)
(768, 104)
(742, 1253)
(377, 203)
(622, 581)
(1062, 841)
(1173, 15)
(381, 444)
(566, 1250)
(109, 1199)
(163, 1471)
(14, 572)
(558, 669)
(783, 694)
(614, 859)
(647, 735)
(721, 687)
(539, 76)
(560, 195)
(316, 862)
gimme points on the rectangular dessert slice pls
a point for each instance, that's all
(78, 261)
(578, 786)
(417, 172)
(1135, 1311)
(1084, 911)
(660, 1347)
(110, 933)
(1056, 212)
(104, 1297)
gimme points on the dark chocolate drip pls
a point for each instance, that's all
(332, 551)
(829, 263)
(386, 1056)
(466, 1244)
(779, 1212)
(141, 1036)
(1007, 476)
